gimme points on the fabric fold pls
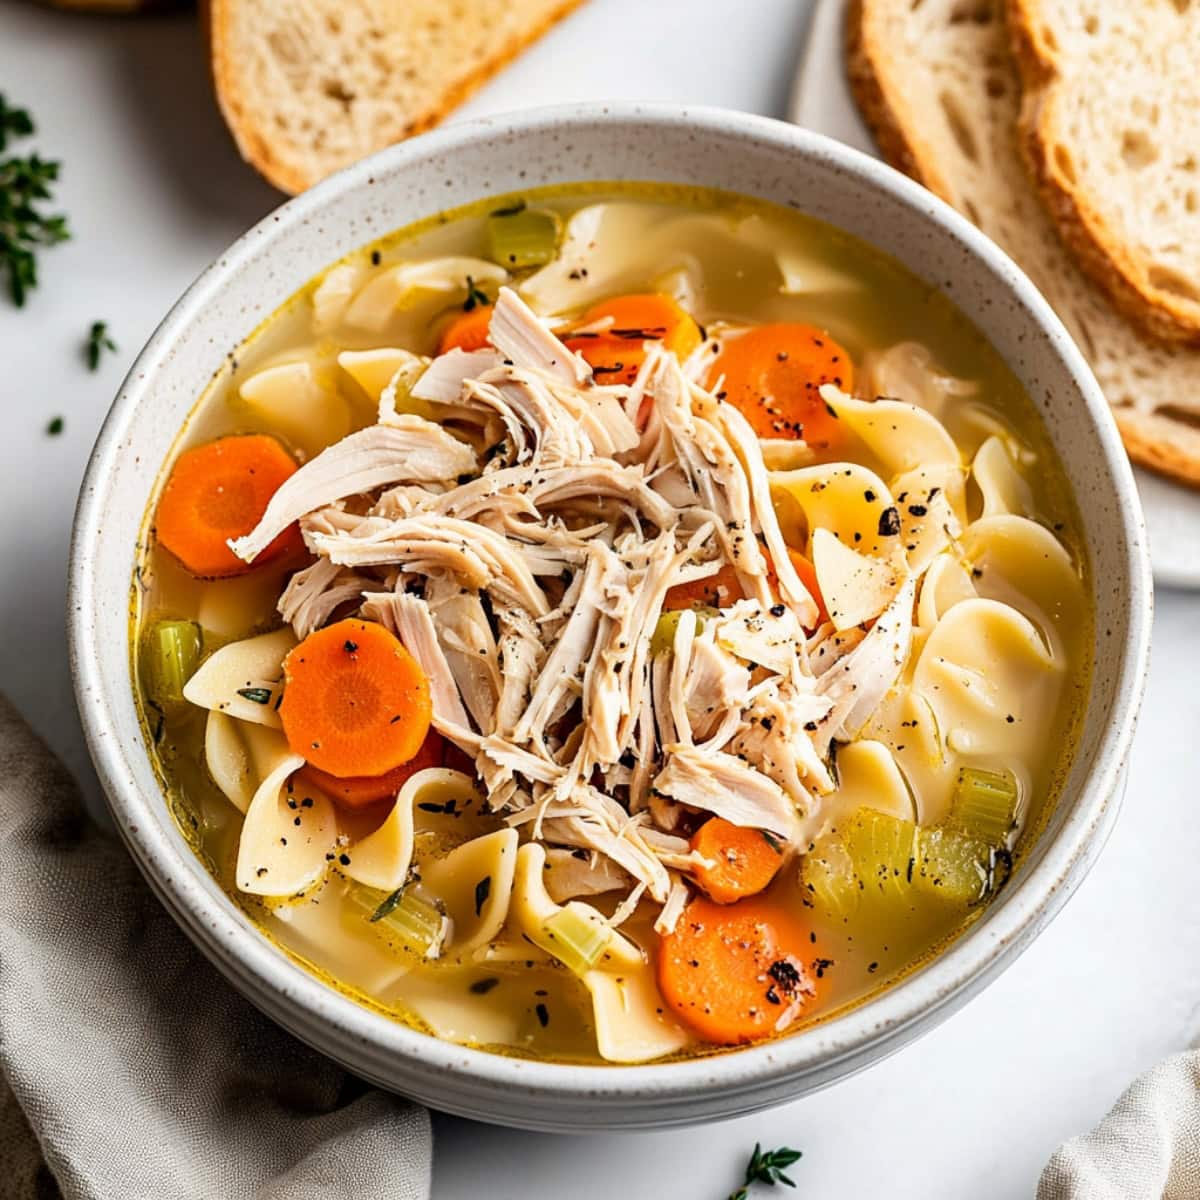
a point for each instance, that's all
(132, 1067)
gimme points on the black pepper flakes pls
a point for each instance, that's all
(889, 522)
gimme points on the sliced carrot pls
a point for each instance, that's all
(717, 591)
(773, 376)
(361, 791)
(744, 861)
(736, 973)
(468, 331)
(220, 491)
(723, 589)
(616, 354)
(355, 702)
(808, 577)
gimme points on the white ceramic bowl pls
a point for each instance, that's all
(451, 167)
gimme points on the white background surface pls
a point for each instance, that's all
(154, 191)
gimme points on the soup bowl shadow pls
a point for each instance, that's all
(455, 166)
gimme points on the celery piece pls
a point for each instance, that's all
(881, 847)
(984, 804)
(527, 237)
(828, 874)
(953, 865)
(662, 640)
(402, 915)
(174, 649)
(576, 940)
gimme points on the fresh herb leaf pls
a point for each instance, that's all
(257, 695)
(767, 1167)
(55, 426)
(14, 123)
(98, 340)
(483, 889)
(476, 297)
(387, 905)
(24, 184)
(772, 841)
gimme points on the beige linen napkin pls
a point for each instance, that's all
(132, 1069)
(1147, 1148)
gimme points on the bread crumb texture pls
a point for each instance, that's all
(309, 87)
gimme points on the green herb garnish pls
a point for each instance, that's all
(98, 340)
(772, 841)
(257, 695)
(55, 426)
(24, 184)
(388, 905)
(767, 1167)
(14, 123)
(476, 297)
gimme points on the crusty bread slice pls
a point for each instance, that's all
(1110, 125)
(307, 86)
(939, 87)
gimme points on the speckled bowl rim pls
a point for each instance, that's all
(721, 1085)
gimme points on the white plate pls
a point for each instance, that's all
(821, 100)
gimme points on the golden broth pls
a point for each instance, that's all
(523, 1003)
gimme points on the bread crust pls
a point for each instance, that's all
(1098, 249)
(1160, 450)
(869, 68)
(257, 147)
(1155, 439)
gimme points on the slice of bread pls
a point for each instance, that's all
(1111, 127)
(939, 87)
(308, 86)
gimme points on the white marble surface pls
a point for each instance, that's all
(154, 190)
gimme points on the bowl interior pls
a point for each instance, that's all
(453, 167)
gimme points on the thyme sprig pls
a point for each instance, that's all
(767, 1166)
(98, 340)
(26, 183)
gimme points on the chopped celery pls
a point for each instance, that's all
(827, 872)
(984, 804)
(576, 939)
(174, 650)
(526, 237)
(662, 640)
(881, 848)
(953, 865)
(401, 914)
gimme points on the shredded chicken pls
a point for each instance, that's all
(530, 581)
(412, 449)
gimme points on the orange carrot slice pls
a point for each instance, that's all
(773, 376)
(361, 791)
(355, 702)
(616, 354)
(808, 577)
(723, 589)
(736, 973)
(220, 491)
(744, 860)
(468, 331)
(717, 591)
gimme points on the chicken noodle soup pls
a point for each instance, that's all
(612, 623)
